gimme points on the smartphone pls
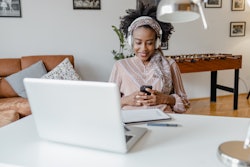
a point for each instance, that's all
(143, 89)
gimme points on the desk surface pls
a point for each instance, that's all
(193, 144)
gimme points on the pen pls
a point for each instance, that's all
(162, 124)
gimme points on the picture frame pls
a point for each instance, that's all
(164, 46)
(237, 29)
(238, 5)
(213, 4)
(10, 8)
(147, 2)
(87, 4)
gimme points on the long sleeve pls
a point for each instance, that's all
(182, 103)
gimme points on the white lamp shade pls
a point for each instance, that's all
(177, 11)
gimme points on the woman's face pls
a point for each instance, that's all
(144, 43)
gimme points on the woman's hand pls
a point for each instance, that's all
(156, 98)
(134, 99)
(140, 98)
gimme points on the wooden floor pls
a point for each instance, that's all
(222, 107)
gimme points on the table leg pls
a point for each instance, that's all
(236, 88)
(213, 86)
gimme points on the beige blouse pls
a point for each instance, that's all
(163, 74)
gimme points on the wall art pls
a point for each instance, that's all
(213, 4)
(147, 2)
(238, 5)
(87, 4)
(10, 8)
(237, 29)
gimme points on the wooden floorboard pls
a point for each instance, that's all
(222, 107)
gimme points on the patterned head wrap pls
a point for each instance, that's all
(145, 20)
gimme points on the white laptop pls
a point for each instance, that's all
(82, 113)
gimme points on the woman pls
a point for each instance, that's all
(148, 67)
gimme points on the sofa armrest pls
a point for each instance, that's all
(9, 66)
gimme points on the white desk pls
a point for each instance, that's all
(194, 144)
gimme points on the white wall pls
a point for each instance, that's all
(53, 27)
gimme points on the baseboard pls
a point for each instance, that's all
(204, 98)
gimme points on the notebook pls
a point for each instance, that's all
(144, 115)
(82, 113)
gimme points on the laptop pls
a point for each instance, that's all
(81, 113)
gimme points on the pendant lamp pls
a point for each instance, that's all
(180, 11)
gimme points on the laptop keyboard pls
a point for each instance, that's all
(128, 137)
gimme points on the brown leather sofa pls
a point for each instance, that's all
(12, 106)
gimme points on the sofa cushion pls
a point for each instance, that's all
(7, 117)
(64, 71)
(18, 104)
(36, 70)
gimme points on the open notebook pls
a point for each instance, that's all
(82, 113)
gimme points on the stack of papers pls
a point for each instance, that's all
(143, 115)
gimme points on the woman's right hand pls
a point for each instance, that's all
(134, 99)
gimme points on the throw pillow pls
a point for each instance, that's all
(36, 70)
(63, 71)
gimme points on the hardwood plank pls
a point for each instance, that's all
(222, 107)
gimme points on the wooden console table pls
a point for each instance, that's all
(213, 63)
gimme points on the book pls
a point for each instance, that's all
(143, 115)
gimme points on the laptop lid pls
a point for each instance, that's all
(82, 113)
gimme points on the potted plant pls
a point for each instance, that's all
(120, 54)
